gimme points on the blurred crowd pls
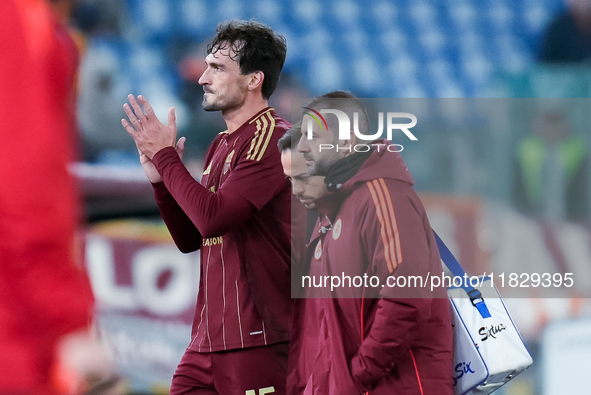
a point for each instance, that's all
(550, 155)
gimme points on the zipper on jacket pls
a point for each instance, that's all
(324, 229)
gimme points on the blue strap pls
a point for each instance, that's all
(458, 271)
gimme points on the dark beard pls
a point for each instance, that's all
(219, 106)
(211, 106)
(320, 165)
(320, 168)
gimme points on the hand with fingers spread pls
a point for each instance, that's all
(142, 122)
(150, 135)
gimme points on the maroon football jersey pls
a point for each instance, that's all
(239, 216)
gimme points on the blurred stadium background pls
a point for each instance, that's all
(471, 167)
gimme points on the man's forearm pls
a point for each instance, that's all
(213, 214)
(184, 233)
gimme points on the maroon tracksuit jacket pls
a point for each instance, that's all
(378, 339)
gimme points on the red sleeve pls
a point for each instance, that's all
(400, 311)
(184, 233)
(213, 213)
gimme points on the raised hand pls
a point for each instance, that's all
(150, 135)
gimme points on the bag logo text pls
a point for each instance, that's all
(491, 332)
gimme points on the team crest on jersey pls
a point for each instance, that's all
(336, 230)
(318, 250)
(227, 162)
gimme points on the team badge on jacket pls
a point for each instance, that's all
(227, 162)
(336, 230)
(318, 250)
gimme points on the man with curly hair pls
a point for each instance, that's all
(238, 216)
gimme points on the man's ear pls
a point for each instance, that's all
(349, 142)
(256, 80)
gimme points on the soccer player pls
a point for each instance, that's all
(372, 337)
(238, 216)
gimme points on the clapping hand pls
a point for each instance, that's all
(150, 135)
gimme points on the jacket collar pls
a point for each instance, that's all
(346, 175)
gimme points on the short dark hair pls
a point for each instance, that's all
(290, 138)
(336, 95)
(257, 48)
(344, 101)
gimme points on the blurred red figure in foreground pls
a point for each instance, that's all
(44, 294)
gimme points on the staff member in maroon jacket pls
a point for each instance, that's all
(373, 338)
(306, 188)
(239, 216)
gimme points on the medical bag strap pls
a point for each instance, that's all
(458, 271)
